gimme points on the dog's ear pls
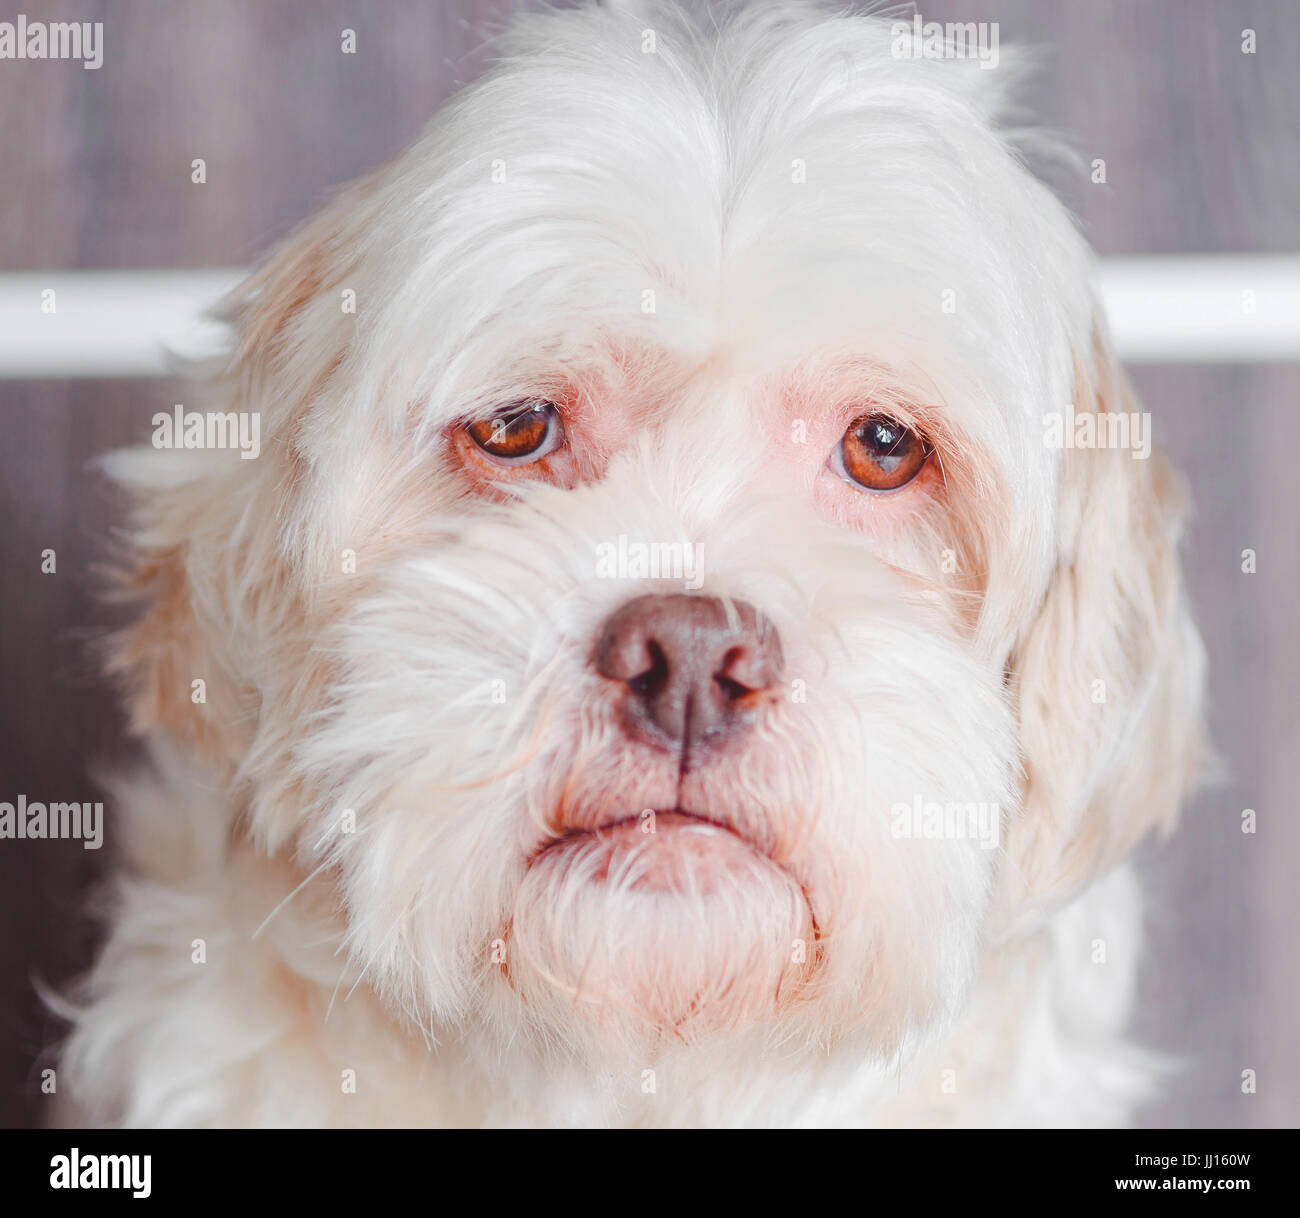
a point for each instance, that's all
(292, 299)
(204, 564)
(1108, 674)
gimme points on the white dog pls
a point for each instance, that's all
(660, 669)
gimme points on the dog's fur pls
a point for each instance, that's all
(712, 255)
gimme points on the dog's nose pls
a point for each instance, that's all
(695, 667)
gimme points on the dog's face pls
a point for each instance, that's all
(666, 535)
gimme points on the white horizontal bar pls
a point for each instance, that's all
(1204, 309)
(106, 323)
(1200, 309)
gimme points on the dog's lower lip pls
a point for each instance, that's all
(675, 851)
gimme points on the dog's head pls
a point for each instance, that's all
(661, 605)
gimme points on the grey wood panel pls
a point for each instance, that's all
(1199, 139)
(1201, 150)
(1221, 973)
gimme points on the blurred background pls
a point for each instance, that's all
(1201, 146)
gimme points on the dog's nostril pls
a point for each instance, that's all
(650, 682)
(732, 689)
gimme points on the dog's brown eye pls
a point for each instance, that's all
(524, 432)
(880, 454)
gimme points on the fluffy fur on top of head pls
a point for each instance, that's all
(711, 244)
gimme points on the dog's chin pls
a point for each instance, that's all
(665, 926)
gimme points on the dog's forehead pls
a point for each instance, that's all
(735, 205)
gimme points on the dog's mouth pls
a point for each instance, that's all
(671, 851)
(668, 918)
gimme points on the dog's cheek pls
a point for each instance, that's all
(416, 800)
(916, 743)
